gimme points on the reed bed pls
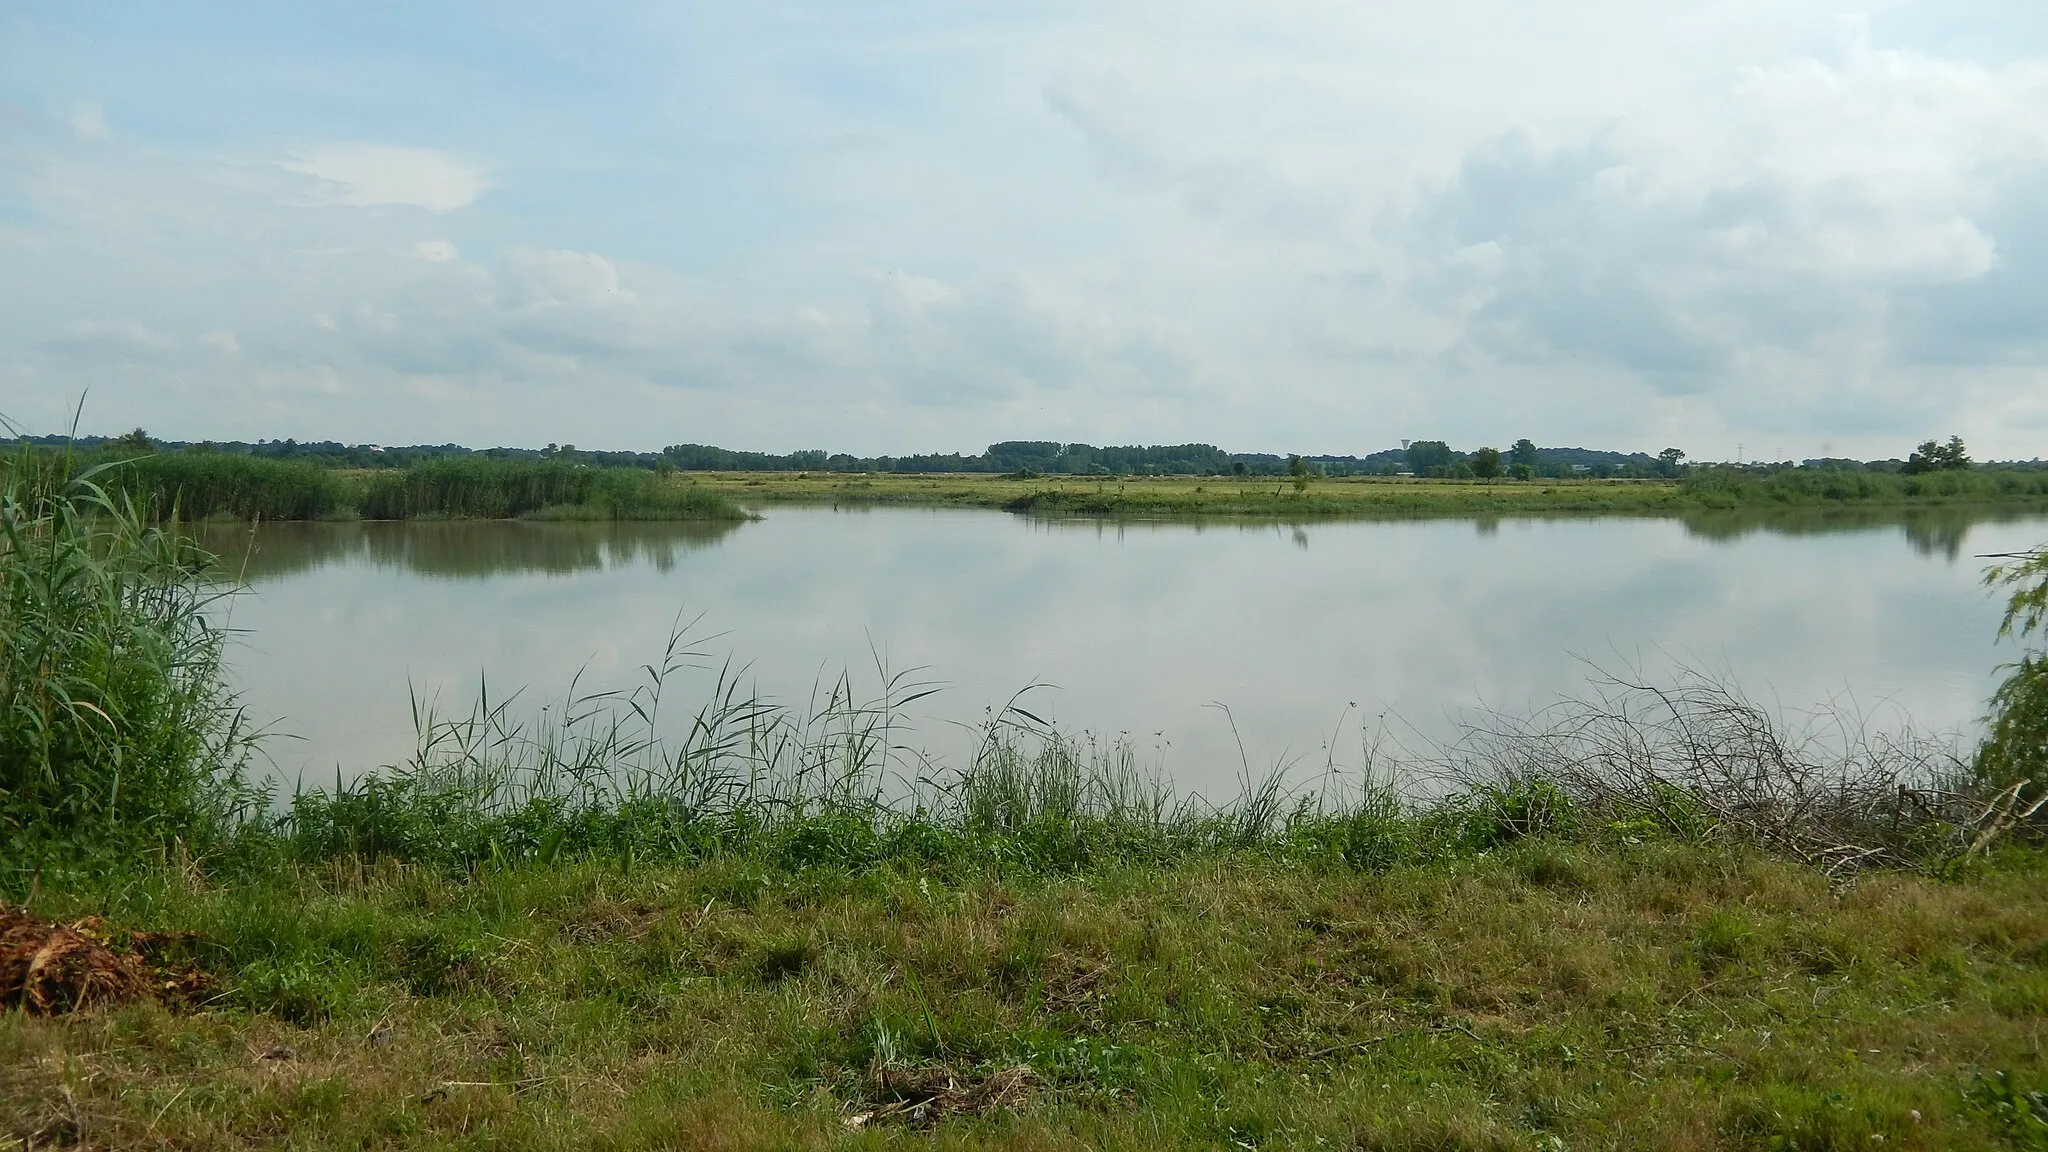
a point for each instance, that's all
(500, 489)
(1720, 487)
(201, 485)
(204, 485)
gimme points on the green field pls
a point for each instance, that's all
(1547, 993)
(1379, 495)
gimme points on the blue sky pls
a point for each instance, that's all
(904, 227)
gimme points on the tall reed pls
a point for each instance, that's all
(498, 489)
(116, 727)
(200, 485)
(836, 782)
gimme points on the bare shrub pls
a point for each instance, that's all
(1692, 756)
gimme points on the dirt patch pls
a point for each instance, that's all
(922, 1097)
(49, 969)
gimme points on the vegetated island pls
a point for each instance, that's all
(283, 480)
(204, 484)
(1657, 920)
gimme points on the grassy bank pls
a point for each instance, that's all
(1545, 994)
(1386, 496)
(1658, 920)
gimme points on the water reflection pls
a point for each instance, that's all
(1143, 625)
(459, 550)
(477, 549)
(1932, 532)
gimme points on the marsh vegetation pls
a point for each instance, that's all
(199, 486)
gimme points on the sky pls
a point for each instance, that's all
(1772, 229)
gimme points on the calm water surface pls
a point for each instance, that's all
(1305, 632)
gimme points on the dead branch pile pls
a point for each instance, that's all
(921, 1097)
(50, 969)
(1696, 757)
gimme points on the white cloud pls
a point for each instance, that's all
(368, 174)
(1764, 247)
(1325, 227)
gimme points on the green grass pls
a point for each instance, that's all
(1198, 495)
(1704, 490)
(1550, 992)
(198, 486)
(1729, 488)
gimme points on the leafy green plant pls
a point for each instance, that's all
(2021, 1113)
(116, 724)
(2014, 755)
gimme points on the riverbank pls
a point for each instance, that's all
(1546, 993)
(1379, 495)
(206, 485)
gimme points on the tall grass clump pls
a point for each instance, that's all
(116, 727)
(197, 485)
(204, 485)
(835, 783)
(500, 489)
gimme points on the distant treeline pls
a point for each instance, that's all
(1431, 458)
(1045, 457)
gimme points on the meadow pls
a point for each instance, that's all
(1316, 496)
(1655, 918)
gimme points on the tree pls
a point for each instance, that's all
(1486, 463)
(1298, 468)
(1427, 455)
(1933, 457)
(1668, 460)
(1521, 471)
(135, 441)
(1523, 454)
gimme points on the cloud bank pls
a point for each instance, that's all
(926, 233)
